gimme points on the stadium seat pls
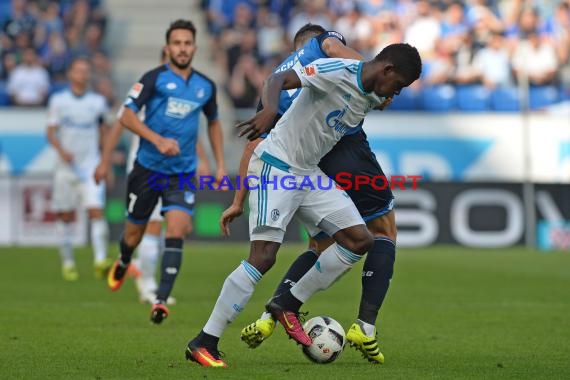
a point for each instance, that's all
(438, 98)
(473, 98)
(57, 86)
(506, 99)
(542, 96)
(564, 92)
(408, 100)
(4, 97)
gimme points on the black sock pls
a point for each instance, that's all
(288, 301)
(300, 266)
(207, 340)
(171, 261)
(126, 251)
(376, 275)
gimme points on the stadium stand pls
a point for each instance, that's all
(475, 51)
(58, 31)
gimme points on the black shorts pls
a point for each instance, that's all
(352, 156)
(145, 187)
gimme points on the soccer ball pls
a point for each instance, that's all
(328, 339)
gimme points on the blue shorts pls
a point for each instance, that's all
(352, 155)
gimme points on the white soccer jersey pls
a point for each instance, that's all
(78, 119)
(332, 104)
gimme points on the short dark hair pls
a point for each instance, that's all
(181, 24)
(80, 58)
(306, 30)
(404, 57)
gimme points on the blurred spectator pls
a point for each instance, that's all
(461, 42)
(57, 31)
(535, 57)
(21, 21)
(271, 35)
(425, 30)
(492, 63)
(310, 11)
(245, 82)
(28, 83)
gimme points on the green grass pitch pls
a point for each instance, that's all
(451, 313)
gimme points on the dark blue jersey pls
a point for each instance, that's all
(311, 51)
(172, 109)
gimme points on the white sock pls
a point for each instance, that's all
(235, 293)
(148, 254)
(367, 328)
(265, 315)
(99, 233)
(65, 232)
(332, 263)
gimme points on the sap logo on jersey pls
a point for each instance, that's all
(180, 108)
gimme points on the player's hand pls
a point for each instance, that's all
(66, 156)
(385, 104)
(228, 216)
(257, 125)
(221, 173)
(101, 172)
(168, 146)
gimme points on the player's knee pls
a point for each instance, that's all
(384, 226)
(263, 255)
(178, 231)
(359, 241)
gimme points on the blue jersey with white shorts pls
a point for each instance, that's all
(172, 109)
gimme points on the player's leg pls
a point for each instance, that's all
(148, 253)
(178, 224)
(336, 215)
(178, 208)
(271, 210)
(140, 200)
(376, 275)
(374, 201)
(94, 200)
(236, 292)
(99, 240)
(256, 332)
(63, 203)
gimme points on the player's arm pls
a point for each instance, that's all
(215, 136)
(263, 120)
(203, 162)
(137, 98)
(166, 146)
(236, 208)
(53, 125)
(54, 141)
(334, 48)
(109, 144)
(217, 142)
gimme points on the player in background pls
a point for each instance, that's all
(351, 154)
(173, 94)
(148, 251)
(75, 128)
(337, 96)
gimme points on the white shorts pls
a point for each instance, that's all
(72, 188)
(318, 205)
